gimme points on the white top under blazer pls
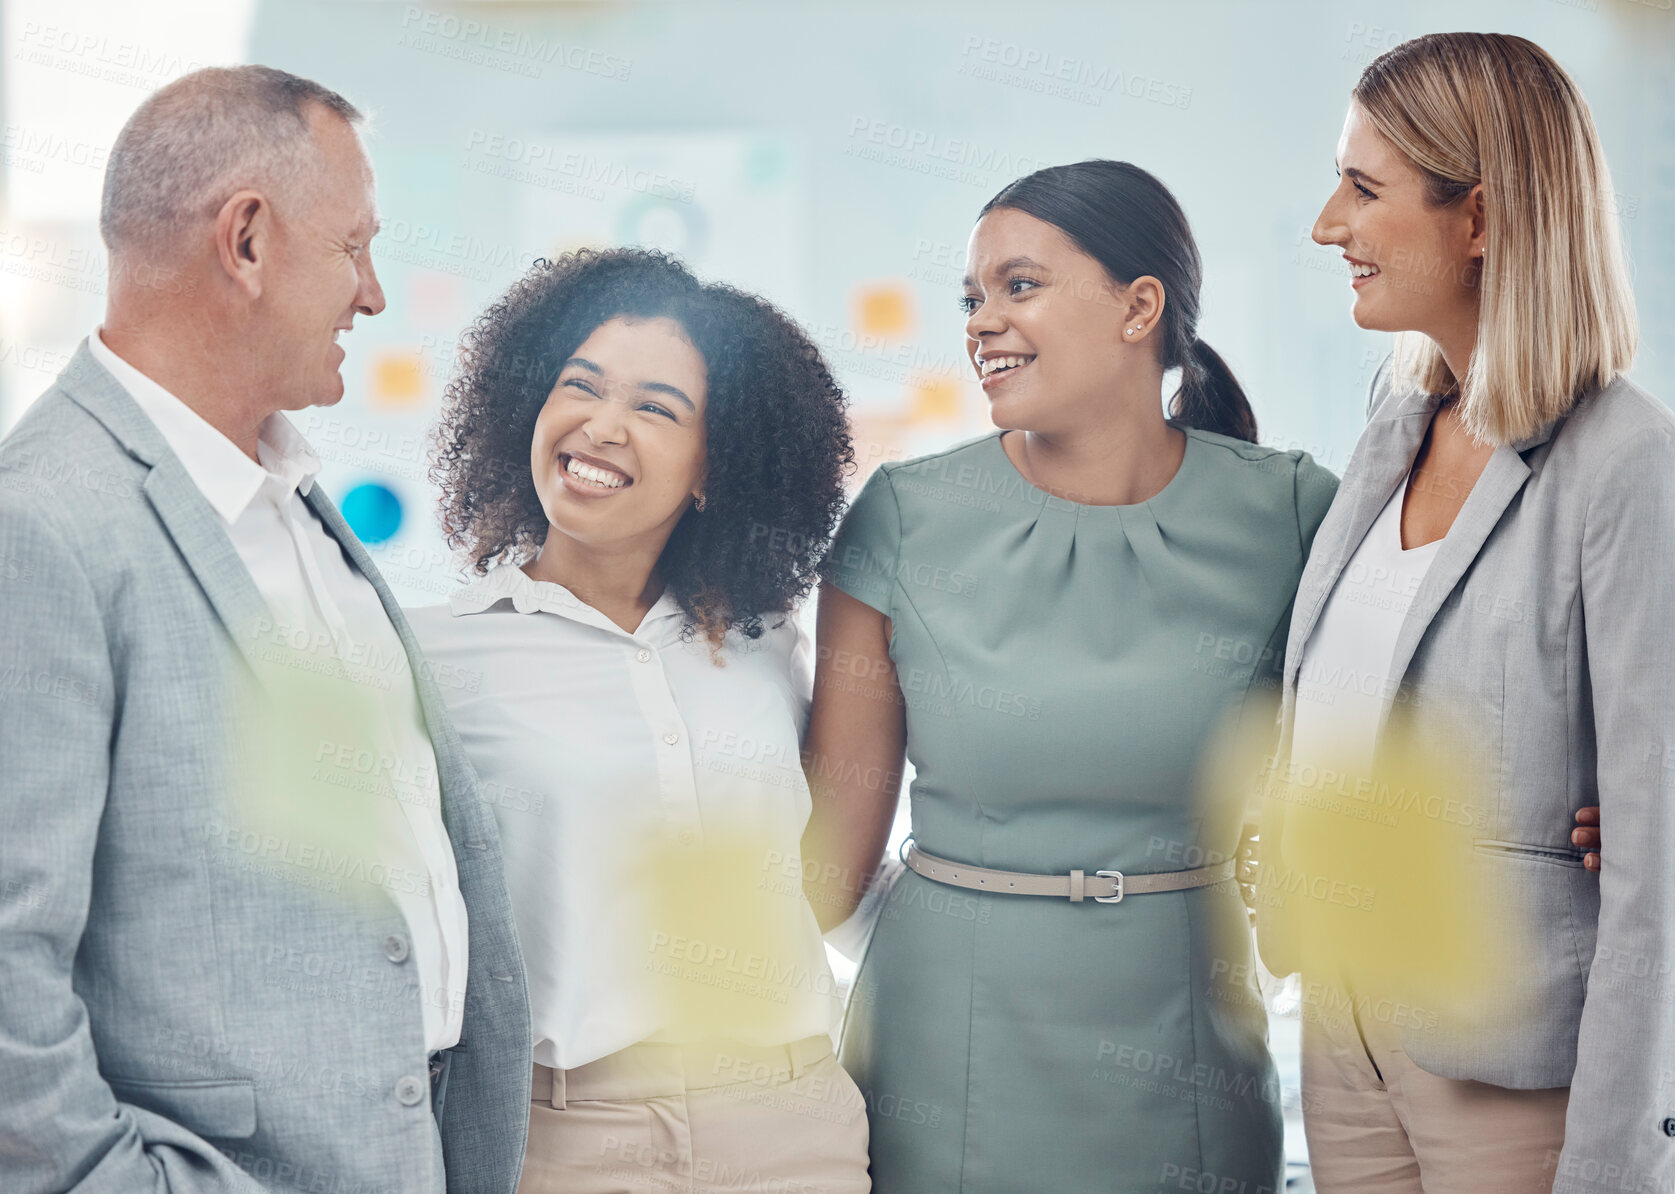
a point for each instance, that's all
(1345, 682)
(651, 803)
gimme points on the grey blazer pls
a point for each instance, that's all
(1548, 615)
(185, 1004)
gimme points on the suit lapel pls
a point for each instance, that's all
(197, 532)
(1502, 477)
(463, 818)
(182, 508)
(1500, 482)
(203, 543)
(1381, 461)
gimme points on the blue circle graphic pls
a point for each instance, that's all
(372, 511)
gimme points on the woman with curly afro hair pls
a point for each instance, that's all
(644, 472)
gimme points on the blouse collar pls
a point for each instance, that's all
(528, 596)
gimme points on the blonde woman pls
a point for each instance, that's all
(1501, 553)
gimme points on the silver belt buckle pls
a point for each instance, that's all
(1110, 899)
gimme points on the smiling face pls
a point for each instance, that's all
(324, 275)
(1412, 263)
(619, 448)
(1045, 323)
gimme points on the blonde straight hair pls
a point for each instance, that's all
(1556, 316)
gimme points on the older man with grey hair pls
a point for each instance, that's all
(253, 929)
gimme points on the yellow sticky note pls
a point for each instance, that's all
(883, 309)
(935, 399)
(398, 380)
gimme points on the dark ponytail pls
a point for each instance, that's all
(1210, 397)
(1127, 220)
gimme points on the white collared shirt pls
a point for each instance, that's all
(604, 755)
(318, 597)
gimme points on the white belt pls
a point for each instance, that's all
(1103, 887)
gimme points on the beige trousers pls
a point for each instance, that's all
(661, 1118)
(1378, 1124)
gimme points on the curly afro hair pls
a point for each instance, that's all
(776, 424)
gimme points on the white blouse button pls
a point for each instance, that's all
(671, 737)
(642, 655)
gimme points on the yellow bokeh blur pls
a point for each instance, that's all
(1368, 873)
(724, 937)
(319, 775)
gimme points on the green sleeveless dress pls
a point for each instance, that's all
(1063, 667)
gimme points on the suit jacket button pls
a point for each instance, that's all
(1669, 1126)
(410, 1092)
(395, 948)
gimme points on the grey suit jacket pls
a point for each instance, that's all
(1548, 618)
(186, 1003)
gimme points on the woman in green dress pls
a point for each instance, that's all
(1052, 621)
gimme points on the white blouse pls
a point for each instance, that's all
(651, 803)
(1344, 683)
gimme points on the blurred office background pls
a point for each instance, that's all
(831, 156)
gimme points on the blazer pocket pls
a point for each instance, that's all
(1557, 855)
(224, 1110)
